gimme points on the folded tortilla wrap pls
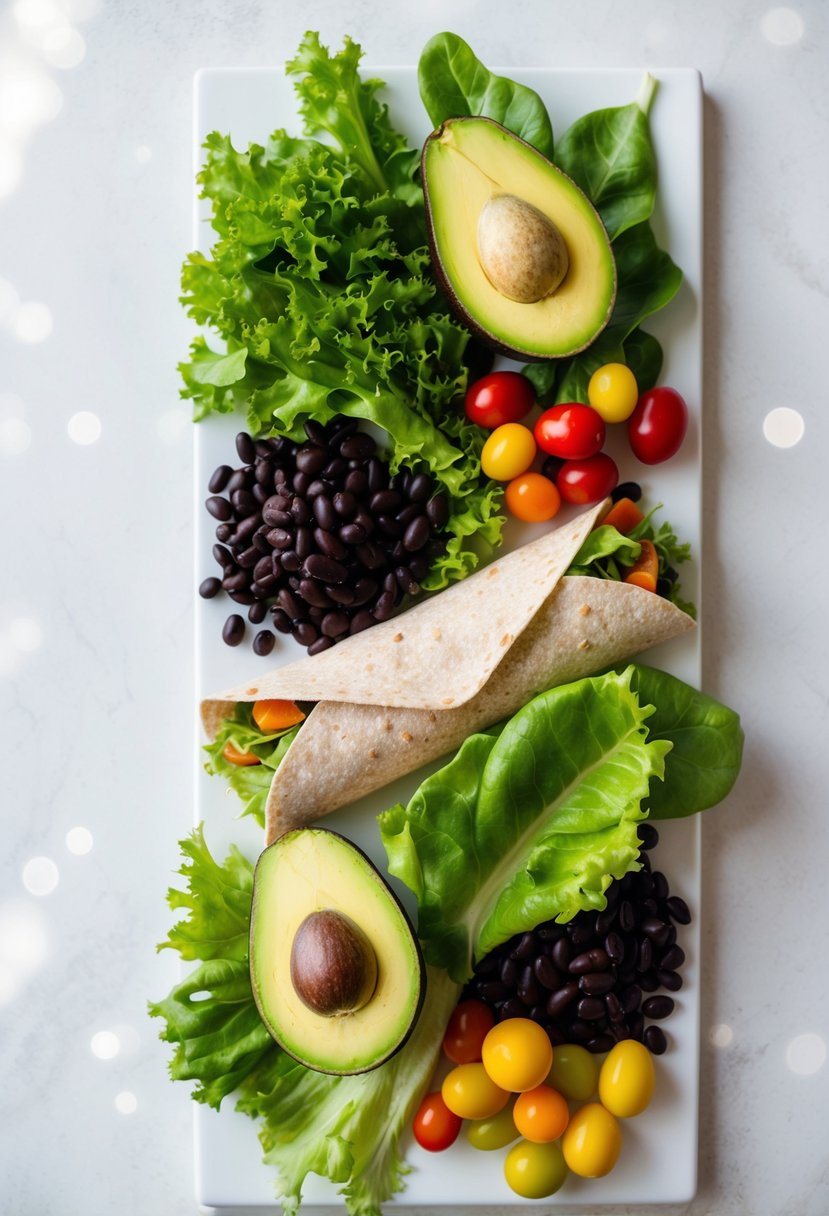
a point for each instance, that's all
(407, 691)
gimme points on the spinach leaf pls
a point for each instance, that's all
(609, 154)
(643, 355)
(648, 279)
(702, 765)
(455, 84)
(542, 376)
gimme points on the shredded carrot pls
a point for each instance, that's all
(645, 570)
(624, 515)
(234, 756)
(271, 716)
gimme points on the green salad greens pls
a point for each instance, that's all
(250, 781)
(526, 822)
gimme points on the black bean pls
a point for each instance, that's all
(260, 540)
(265, 587)
(645, 960)
(614, 947)
(561, 954)
(605, 920)
(218, 507)
(245, 530)
(209, 587)
(344, 503)
(263, 643)
(591, 960)
(614, 1007)
(281, 620)
(275, 511)
(648, 835)
(245, 448)
(365, 589)
(305, 633)
(390, 582)
(315, 431)
(352, 534)
(244, 504)
(263, 449)
(525, 947)
(545, 972)
(384, 607)
(312, 593)
(492, 991)
(291, 561)
(220, 478)
(419, 566)
(581, 932)
(413, 511)
(324, 569)
(550, 931)
(672, 959)
(248, 558)
(340, 594)
(280, 480)
(235, 582)
(389, 526)
(356, 482)
(234, 630)
(671, 980)
(405, 581)
(334, 623)
(658, 1007)
(655, 1040)
(420, 487)
(660, 885)
(437, 510)
(257, 612)
(591, 1008)
(329, 544)
(280, 538)
(648, 981)
(322, 643)
(581, 1031)
(386, 502)
(512, 1008)
(655, 929)
(358, 447)
(631, 998)
(678, 909)
(303, 542)
(552, 467)
(596, 983)
(416, 534)
(529, 990)
(360, 621)
(324, 512)
(222, 555)
(289, 604)
(335, 470)
(628, 489)
(224, 532)
(601, 1043)
(510, 972)
(310, 459)
(627, 920)
(558, 1001)
(636, 1025)
(238, 481)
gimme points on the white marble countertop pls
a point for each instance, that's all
(95, 617)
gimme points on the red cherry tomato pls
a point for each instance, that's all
(498, 398)
(585, 481)
(573, 431)
(435, 1127)
(657, 426)
(468, 1026)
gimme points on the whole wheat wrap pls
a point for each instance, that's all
(411, 689)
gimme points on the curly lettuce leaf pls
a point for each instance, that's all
(528, 825)
(251, 782)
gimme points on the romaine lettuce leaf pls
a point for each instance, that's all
(251, 782)
(529, 824)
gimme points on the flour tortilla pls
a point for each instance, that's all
(410, 690)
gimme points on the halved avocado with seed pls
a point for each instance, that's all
(336, 969)
(518, 248)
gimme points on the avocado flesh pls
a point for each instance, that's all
(469, 161)
(312, 870)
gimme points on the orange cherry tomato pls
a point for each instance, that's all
(271, 716)
(541, 1114)
(468, 1026)
(435, 1127)
(234, 756)
(532, 497)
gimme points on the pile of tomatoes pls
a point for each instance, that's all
(571, 436)
(510, 1083)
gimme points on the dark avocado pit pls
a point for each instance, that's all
(517, 247)
(333, 964)
(336, 969)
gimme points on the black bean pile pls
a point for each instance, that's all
(320, 535)
(594, 980)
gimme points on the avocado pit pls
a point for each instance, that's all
(333, 964)
(520, 249)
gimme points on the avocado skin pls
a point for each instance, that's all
(462, 313)
(420, 968)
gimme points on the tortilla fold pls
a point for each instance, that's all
(407, 691)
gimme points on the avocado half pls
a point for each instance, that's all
(466, 165)
(327, 931)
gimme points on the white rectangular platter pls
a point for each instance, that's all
(659, 1158)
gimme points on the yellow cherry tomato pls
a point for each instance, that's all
(532, 497)
(496, 1132)
(613, 392)
(535, 1171)
(541, 1114)
(574, 1073)
(508, 452)
(626, 1079)
(592, 1142)
(468, 1091)
(517, 1054)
